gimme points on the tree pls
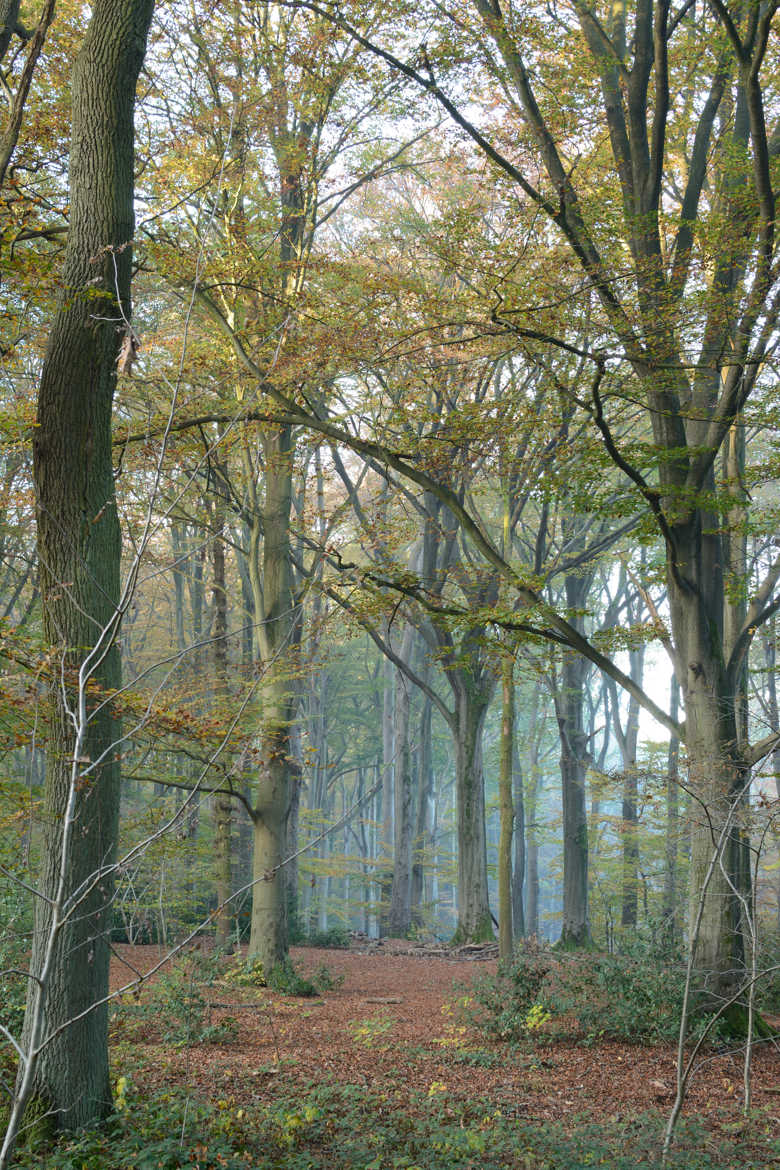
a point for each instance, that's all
(686, 191)
(65, 1060)
(10, 27)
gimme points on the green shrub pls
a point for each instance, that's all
(246, 975)
(335, 938)
(176, 1005)
(285, 978)
(501, 1004)
(631, 997)
(621, 997)
(324, 980)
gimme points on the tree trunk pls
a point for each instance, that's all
(518, 868)
(290, 870)
(474, 920)
(575, 930)
(422, 833)
(79, 554)
(222, 803)
(506, 808)
(532, 829)
(399, 917)
(627, 742)
(669, 911)
(717, 777)
(569, 711)
(388, 802)
(268, 941)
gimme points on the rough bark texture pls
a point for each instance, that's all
(79, 550)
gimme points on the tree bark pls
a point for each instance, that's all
(474, 920)
(669, 912)
(399, 919)
(505, 924)
(532, 829)
(518, 866)
(388, 789)
(422, 832)
(79, 558)
(223, 808)
(575, 930)
(268, 941)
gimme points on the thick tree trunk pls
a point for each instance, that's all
(268, 941)
(627, 742)
(569, 711)
(291, 843)
(575, 930)
(388, 790)
(399, 918)
(769, 645)
(518, 867)
(532, 826)
(422, 832)
(474, 921)
(717, 777)
(629, 910)
(78, 553)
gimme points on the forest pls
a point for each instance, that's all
(389, 584)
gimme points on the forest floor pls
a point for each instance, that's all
(382, 1072)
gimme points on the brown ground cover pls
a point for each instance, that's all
(389, 1027)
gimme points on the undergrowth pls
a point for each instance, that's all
(317, 1127)
(634, 997)
(175, 1005)
(285, 978)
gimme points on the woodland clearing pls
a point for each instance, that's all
(380, 1071)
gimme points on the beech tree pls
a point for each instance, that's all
(672, 227)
